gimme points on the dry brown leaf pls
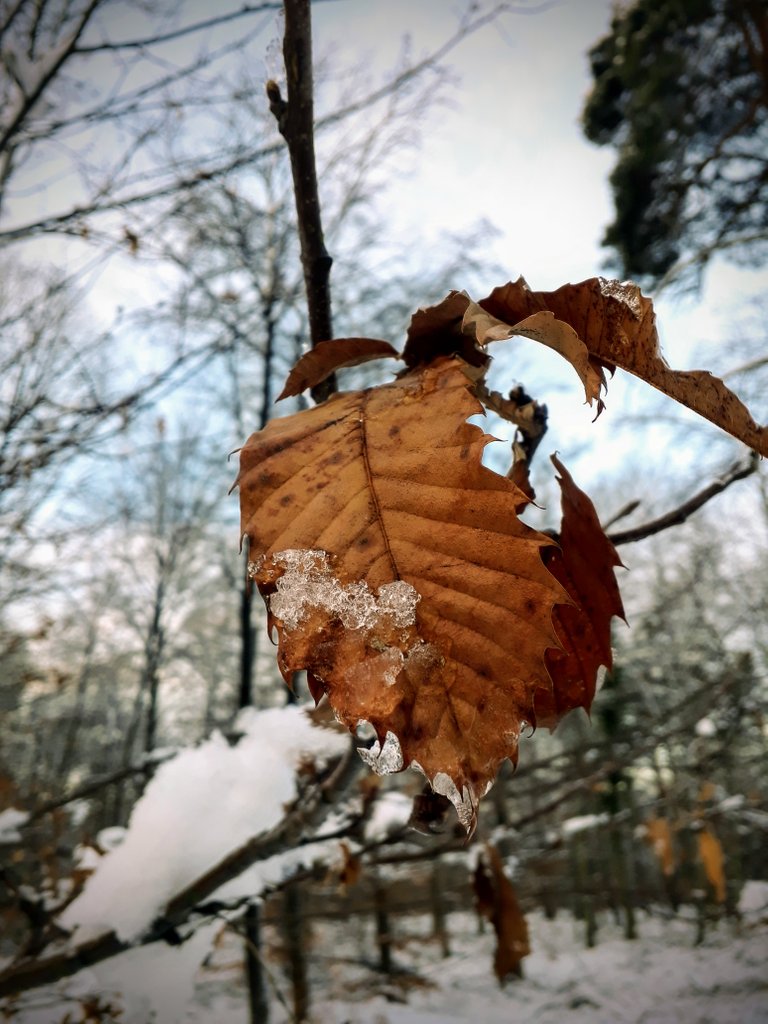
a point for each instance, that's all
(497, 901)
(547, 329)
(438, 331)
(430, 812)
(584, 564)
(707, 792)
(398, 574)
(617, 324)
(459, 326)
(351, 867)
(658, 833)
(713, 860)
(328, 356)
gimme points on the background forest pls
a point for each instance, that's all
(152, 303)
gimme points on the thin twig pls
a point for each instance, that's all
(753, 364)
(738, 471)
(147, 765)
(295, 119)
(623, 512)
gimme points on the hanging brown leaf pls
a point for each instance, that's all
(398, 574)
(543, 327)
(617, 324)
(711, 854)
(328, 356)
(584, 564)
(658, 833)
(496, 900)
(351, 867)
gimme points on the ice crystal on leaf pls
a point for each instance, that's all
(386, 758)
(308, 584)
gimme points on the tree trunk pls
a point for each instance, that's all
(258, 1004)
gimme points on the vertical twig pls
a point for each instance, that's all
(295, 120)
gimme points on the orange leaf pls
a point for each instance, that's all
(398, 574)
(351, 868)
(496, 900)
(711, 853)
(659, 834)
(585, 565)
(547, 329)
(617, 325)
(328, 356)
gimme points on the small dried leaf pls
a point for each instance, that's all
(497, 901)
(351, 868)
(547, 329)
(617, 324)
(436, 331)
(328, 356)
(659, 834)
(713, 860)
(585, 565)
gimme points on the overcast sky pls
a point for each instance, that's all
(511, 150)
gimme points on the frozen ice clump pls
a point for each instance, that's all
(399, 599)
(308, 583)
(255, 567)
(386, 759)
(464, 802)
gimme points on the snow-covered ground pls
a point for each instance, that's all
(660, 978)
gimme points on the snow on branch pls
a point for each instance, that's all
(205, 818)
(199, 806)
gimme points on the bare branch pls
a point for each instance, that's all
(753, 364)
(738, 471)
(147, 765)
(49, 73)
(185, 30)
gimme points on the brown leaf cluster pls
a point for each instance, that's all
(617, 326)
(394, 565)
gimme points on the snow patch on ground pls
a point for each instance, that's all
(11, 820)
(753, 902)
(660, 978)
